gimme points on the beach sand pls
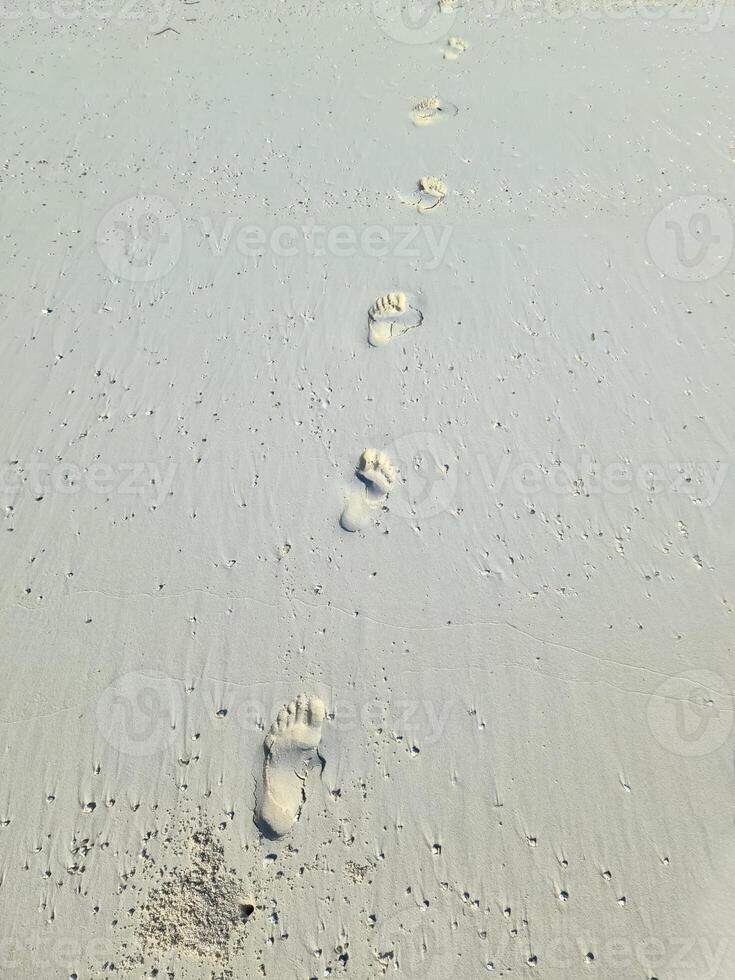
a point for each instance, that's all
(517, 647)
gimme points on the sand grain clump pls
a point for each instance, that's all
(198, 910)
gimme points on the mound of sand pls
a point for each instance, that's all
(199, 909)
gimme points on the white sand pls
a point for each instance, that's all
(526, 655)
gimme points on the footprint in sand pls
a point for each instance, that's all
(391, 316)
(430, 191)
(429, 111)
(455, 47)
(377, 475)
(290, 749)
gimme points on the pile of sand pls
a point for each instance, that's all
(199, 909)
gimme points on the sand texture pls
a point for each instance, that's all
(367, 490)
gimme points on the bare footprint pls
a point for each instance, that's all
(391, 316)
(430, 192)
(290, 749)
(429, 111)
(455, 47)
(377, 475)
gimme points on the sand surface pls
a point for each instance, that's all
(523, 647)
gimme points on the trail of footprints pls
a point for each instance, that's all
(291, 747)
(394, 314)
